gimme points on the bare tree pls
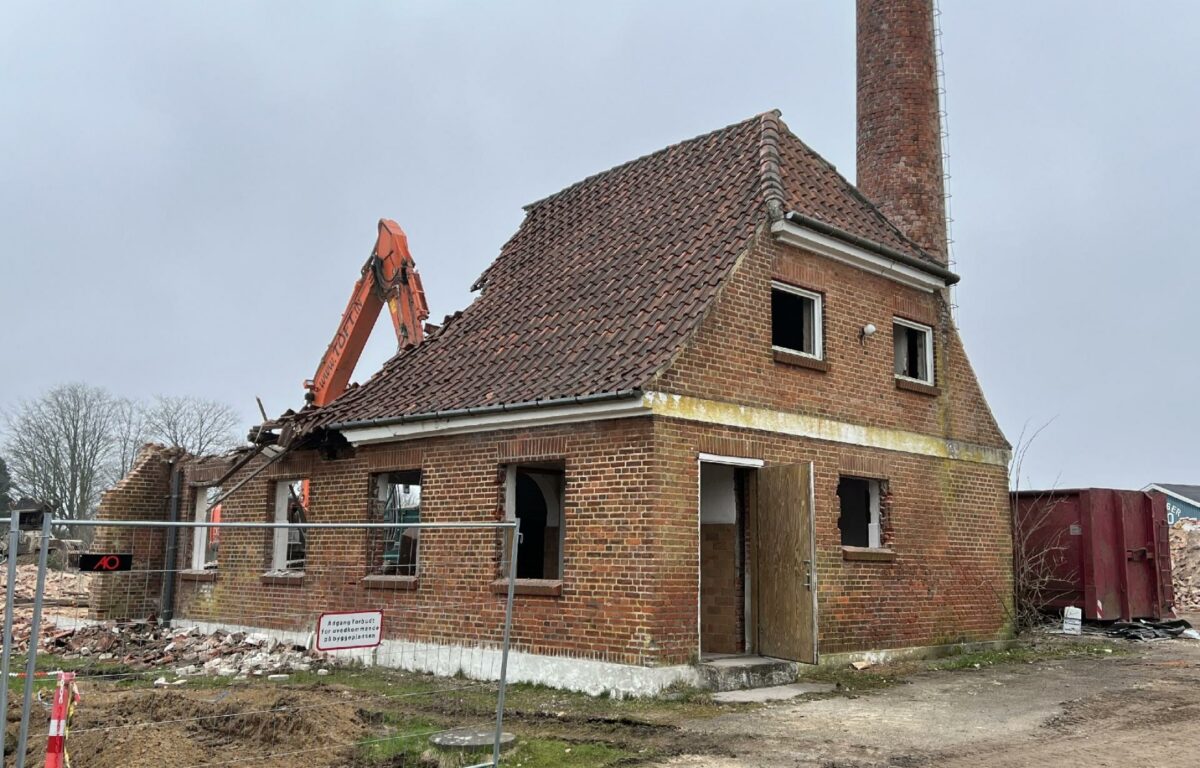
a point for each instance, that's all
(5, 484)
(1039, 547)
(59, 447)
(129, 433)
(198, 426)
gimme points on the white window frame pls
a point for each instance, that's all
(928, 331)
(382, 485)
(555, 518)
(200, 535)
(818, 352)
(279, 539)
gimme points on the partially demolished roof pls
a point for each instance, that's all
(606, 279)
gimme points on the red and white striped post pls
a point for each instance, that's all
(66, 695)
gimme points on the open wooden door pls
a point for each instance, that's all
(784, 558)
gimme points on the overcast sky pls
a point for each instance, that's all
(187, 190)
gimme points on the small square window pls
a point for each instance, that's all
(860, 520)
(796, 320)
(394, 551)
(288, 544)
(205, 541)
(913, 344)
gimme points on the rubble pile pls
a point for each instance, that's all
(145, 645)
(61, 587)
(1185, 565)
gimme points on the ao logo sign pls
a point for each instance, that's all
(105, 562)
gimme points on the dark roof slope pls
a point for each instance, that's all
(1191, 492)
(606, 279)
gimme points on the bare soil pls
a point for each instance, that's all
(1137, 709)
(1140, 706)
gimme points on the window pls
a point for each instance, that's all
(534, 495)
(914, 350)
(291, 506)
(860, 519)
(796, 320)
(397, 500)
(205, 541)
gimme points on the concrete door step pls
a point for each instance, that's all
(774, 693)
(733, 673)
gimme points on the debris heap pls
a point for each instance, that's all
(145, 645)
(1185, 565)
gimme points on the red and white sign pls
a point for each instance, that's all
(341, 630)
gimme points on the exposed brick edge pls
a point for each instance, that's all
(800, 361)
(918, 387)
(283, 580)
(379, 581)
(536, 587)
(867, 554)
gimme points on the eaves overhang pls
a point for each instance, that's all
(534, 413)
(808, 233)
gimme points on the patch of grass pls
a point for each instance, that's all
(549, 753)
(404, 743)
(1028, 654)
(850, 680)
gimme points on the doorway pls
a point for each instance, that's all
(757, 554)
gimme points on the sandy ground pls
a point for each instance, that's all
(1141, 709)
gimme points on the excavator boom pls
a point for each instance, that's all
(389, 277)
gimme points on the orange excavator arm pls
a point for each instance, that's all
(389, 277)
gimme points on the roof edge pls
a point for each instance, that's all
(770, 164)
(621, 394)
(880, 249)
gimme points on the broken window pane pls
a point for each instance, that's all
(291, 506)
(397, 500)
(859, 521)
(912, 351)
(795, 320)
(535, 498)
(206, 541)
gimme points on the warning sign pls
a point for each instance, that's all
(340, 630)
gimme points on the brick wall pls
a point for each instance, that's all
(143, 494)
(720, 581)
(948, 522)
(899, 142)
(730, 359)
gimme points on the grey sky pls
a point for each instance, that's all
(189, 189)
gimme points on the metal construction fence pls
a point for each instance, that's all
(266, 644)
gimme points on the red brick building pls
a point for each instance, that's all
(720, 388)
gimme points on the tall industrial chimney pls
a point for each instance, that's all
(899, 129)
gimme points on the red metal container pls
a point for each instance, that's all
(1106, 551)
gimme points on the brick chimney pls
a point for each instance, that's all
(899, 131)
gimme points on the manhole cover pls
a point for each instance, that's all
(471, 738)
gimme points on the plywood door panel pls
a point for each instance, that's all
(783, 563)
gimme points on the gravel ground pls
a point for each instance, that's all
(1125, 710)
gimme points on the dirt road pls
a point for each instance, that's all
(1123, 710)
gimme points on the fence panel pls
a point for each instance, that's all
(235, 643)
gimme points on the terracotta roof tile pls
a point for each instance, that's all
(605, 280)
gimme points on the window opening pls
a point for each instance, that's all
(397, 500)
(796, 320)
(291, 506)
(860, 519)
(913, 351)
(534, 495)
(206, 541)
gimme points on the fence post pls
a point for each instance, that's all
(14, 545)
(35, 637)
(508, 612)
